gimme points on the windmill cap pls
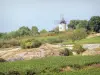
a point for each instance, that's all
(63, 21)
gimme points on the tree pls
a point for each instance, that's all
(13, 34)
(72, 24)
(43, 31)
(4, 35)
(76, 24)
(34, 30)
(1, 34)
(24, 31)
(82, 24)
(94, 23)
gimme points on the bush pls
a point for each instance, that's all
(9, 43)
(14, 42)
(77, 34)
(80, 33)
(65, 52)
(36, 43)
(2, 60)
(30, 43)
(78, 48)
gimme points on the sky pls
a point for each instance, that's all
(45, 14)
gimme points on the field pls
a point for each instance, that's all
(61, 65)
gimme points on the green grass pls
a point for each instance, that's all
(93, 40)
(92, 71)
(53, 65)
(89, 40)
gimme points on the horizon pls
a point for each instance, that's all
(44, 14)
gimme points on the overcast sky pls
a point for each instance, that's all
(45, 14)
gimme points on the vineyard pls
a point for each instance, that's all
(60, 65)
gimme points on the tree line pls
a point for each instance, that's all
(92, 25)
(22, 31)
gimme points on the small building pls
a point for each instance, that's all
(62, 25)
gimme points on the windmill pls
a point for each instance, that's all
(62, 24)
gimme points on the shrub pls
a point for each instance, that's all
(2, 60)
(13, 42)
(65, 52)
(80, 33)
(9, 43)
(36, 43)
(78, 48)
(30, 43)
(77, 34)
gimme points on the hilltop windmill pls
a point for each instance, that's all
(62, 24)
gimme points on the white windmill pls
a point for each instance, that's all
(62, 24)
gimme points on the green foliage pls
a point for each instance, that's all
(24, 31)
(34, 30)
(76, 24)
(82, 24)
(80, 34)
(1, 35)
(65, 52)
(94, 23)
(78, 48)
(73, 24)
(36, 43)
(13, 34)
(43, 31)
(30, 43)
(4, 36)
(77, 34)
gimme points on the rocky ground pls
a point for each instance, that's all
(20, 54)
(12, 54)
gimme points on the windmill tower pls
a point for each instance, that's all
(62, 25)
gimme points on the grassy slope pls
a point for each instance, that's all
(92, 40)
(52, 65)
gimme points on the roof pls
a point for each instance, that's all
(63, 21)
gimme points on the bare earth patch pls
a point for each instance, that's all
(26, 54)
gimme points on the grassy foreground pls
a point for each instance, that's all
(54, 65)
